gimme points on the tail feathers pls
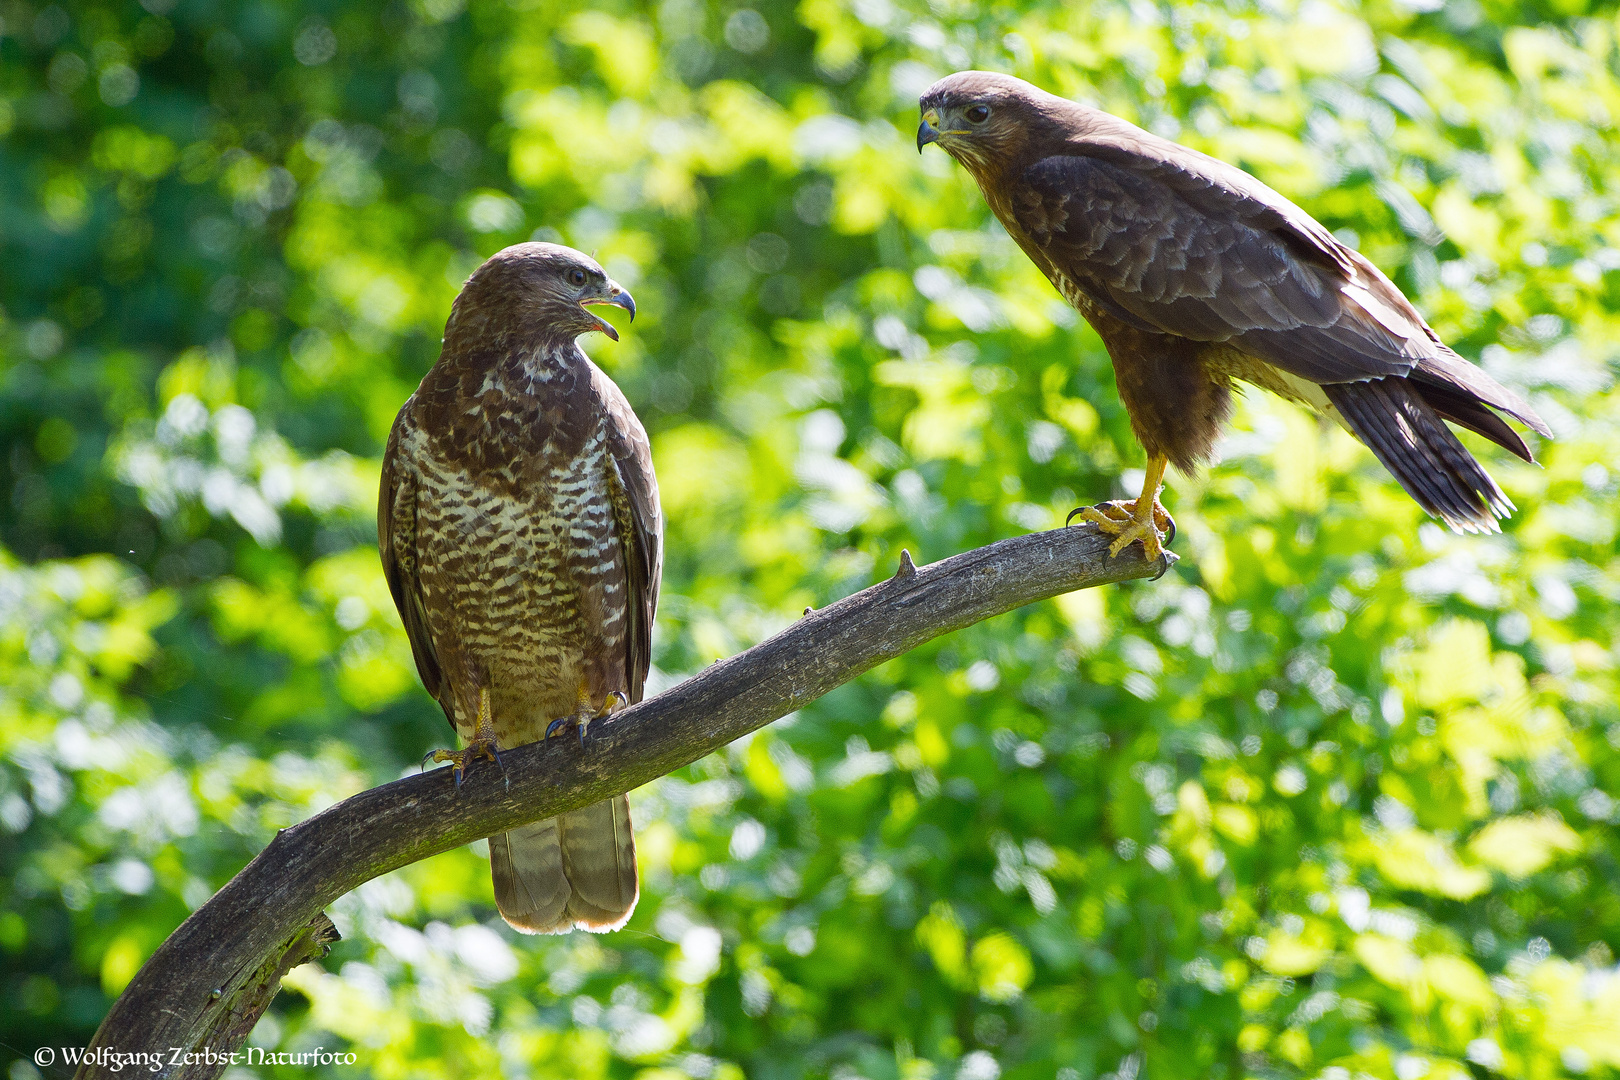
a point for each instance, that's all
(531, 890)
(1414, 444)
(575, 871)
(599, 857)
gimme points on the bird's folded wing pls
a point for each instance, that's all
(1190, 249)
(1455, 377)
(1176, 242)
(635, 504)
(396, 541)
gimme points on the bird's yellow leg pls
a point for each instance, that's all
(587, 710)
(1144, 519)
(482, 744)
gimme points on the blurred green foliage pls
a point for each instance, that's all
(1334, 799)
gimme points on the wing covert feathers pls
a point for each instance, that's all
(1169, 242)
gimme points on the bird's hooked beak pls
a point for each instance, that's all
(618, 296)
(929, 131)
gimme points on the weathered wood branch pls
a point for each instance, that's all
(208, 983)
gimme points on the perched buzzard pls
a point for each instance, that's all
(519, 528)
(1195, 274)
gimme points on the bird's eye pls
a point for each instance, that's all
(978, 114)
(577, 276)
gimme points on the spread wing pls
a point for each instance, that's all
(635, 506)
(1172, 241)
(396, 541)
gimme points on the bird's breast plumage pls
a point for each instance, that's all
(519, 529)
(522, 569)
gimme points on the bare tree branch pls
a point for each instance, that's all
(206, 986)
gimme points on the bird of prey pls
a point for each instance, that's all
(520, 535)
(1195, 274)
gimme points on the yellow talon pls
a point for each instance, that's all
(585, 710)
(481, 745)
(1144, 518)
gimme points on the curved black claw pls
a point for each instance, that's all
(583, 718)
(564, 721)
(485, 748)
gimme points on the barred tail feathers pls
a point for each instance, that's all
(574, 871)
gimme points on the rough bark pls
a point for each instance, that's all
(205, 987)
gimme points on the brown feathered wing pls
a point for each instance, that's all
(396, 543)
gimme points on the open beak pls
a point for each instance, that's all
(927, 132)
(618, 296)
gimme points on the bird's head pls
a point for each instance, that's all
(546, 288)
(980, 117)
